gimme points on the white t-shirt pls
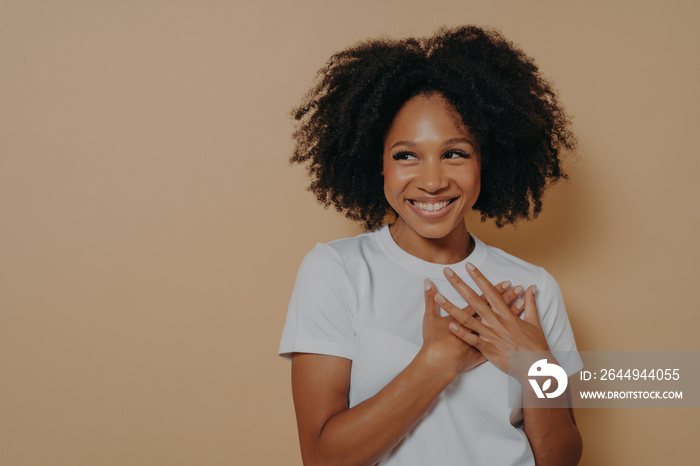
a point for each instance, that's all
(362, 299)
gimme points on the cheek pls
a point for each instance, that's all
(471, 183)
(474, 176)
(477, 183)
(390, 185)
(395, 182)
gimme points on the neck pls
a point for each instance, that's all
(450, 249)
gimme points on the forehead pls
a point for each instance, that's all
(425, 115)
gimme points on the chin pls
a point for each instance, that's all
(434, 231)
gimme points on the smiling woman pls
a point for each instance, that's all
(432, 176)
(420, 132)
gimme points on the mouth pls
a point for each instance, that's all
(431, 206)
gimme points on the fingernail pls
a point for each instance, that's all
(470, 266)
(440, 298)
(428, 284)
(454, 327)
(519, 305)
(449, 272)
(506, 285)
(534, 289)
(518, 289)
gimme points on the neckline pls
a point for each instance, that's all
(429, 269)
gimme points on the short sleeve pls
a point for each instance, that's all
(322, 307)
(556, 325)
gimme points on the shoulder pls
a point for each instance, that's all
(498, 259)
(321, 267)
(349, 247)
(322, 307)
(338, 263)
(344, 253)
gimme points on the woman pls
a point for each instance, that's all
(420, 131)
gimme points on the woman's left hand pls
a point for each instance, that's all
(496, 330)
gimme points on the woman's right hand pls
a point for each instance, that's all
(442, 351)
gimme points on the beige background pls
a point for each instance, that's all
(151, 227)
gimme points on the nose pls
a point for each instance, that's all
(432, 177)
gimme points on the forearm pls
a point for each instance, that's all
(553, 434)
(363, 434)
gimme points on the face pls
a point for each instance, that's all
(431, 168)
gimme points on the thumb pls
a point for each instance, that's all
(431, 307)
(531, 315)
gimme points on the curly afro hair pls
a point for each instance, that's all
(498, 91)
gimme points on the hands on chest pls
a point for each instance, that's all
(486, 329)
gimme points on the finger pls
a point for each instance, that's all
(512, 294)
(468, 337)
(531, 314)
(492, 295)
(518, 307)
(429, 291)
(512, 297)
(465, 291)
(503, 287)
(463, 316)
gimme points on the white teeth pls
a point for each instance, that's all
(430, 207)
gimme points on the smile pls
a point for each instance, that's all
(431, 206)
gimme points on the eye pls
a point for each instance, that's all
(403, 156)
(455, 154)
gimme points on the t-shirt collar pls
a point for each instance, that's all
(429, 269)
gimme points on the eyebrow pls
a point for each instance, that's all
(445, 143)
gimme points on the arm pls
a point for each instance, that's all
(553, 434)
(332, 433)
(552, 431)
